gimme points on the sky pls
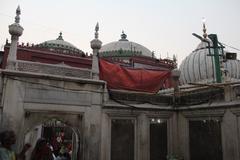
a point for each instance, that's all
(163, 26)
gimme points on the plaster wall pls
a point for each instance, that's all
(28, 102)
(229, 118)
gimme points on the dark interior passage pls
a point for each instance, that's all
(158, 140)
(122, 140)
(205, 140)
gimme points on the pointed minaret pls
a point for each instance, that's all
(96, 44)
(16, 31)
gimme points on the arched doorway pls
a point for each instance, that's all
(62, 132)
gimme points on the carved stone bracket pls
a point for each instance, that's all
(235, 111)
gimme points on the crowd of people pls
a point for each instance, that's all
(42, 150)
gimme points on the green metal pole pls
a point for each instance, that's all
(214, 39)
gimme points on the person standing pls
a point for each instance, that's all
(7, 139)
(42, 151)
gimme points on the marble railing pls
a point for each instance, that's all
(53, 69)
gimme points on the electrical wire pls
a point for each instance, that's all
(230, 46)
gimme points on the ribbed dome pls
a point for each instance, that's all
(198, 66)
(60, 45)
(124, 46)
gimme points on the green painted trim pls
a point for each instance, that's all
(120, 53)
(214, 39)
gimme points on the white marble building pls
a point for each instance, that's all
(112, 125)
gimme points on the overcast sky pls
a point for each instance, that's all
(163, 26)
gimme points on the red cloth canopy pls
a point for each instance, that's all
(142, 80)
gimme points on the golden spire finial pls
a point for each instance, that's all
(204, 28)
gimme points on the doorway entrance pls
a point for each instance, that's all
(62, 133)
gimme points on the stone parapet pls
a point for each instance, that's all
(59, 69)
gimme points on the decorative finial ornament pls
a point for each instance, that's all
(18, 12)
(96, 43)
(123, 37)
(204, 28)
(96, 30)
(60, 36)
(15, 31)
(174, 58)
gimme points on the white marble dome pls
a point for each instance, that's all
(199, 67)
(60, 45)
(124, 45)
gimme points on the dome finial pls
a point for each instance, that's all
(204, 28)
(123, 37)
(60, 36)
